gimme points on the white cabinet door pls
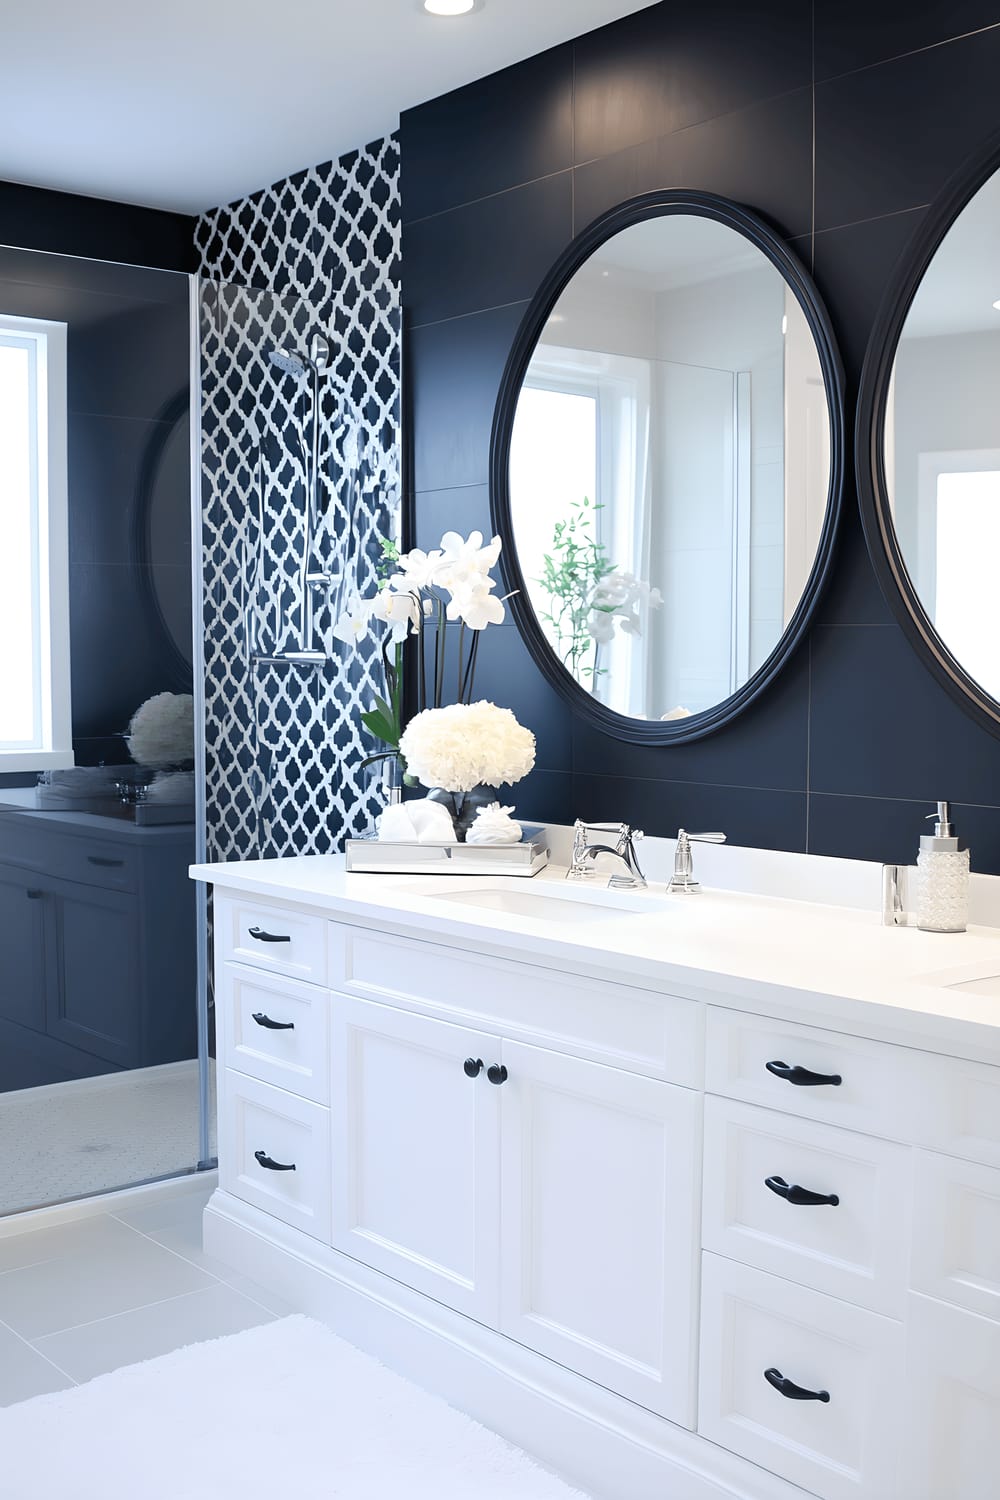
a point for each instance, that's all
(952, 1404)
(600, 1224)
(416, 1152)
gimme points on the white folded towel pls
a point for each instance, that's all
(417, 822)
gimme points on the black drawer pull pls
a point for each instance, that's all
(497, 1073)
(801, 1076)
(34, 895)
(792, 1391)
(795, 1194)
(269, 1025)
(473, 1067)
(262, 1159)
(107, 864)
(268, 937)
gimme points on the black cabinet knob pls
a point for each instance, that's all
(269, 1025)
(473, 1067)
(790, 1390)
(263, 1160)
(802, 1077)
(497, 1073)
(792, 1193)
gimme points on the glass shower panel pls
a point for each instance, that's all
(300, 484)
(99, 1064)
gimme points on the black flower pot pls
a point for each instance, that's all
(464, 806)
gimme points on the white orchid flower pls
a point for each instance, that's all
(355, 620)
(418, 570)
(400, 611)
(474, 603)
(461, 552)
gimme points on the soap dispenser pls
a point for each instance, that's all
(942, 878)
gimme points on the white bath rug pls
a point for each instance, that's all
(283, 1412)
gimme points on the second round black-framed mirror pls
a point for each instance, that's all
(667, 465)
(928, 438)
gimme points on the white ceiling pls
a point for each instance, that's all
(186, 104)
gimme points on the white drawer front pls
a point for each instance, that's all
(952, 1405)
(956, 1232)
(276, 1029)
(287, 1132)
(276, 938)
(961, 1109)
(752, 1323)
(879, 1089)
(642, 1032)
(855, 1248)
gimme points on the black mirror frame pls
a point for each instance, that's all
(880, 533)
(754, 229)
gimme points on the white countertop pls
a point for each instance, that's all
(747, 951)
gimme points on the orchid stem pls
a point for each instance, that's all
(461, 654)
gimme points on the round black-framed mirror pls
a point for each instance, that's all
(917, 482)
(705, 220)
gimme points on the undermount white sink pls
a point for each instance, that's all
(546, 904)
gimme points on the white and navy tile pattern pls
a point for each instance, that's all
(318, 252)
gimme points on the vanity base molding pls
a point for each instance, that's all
(610, 1447)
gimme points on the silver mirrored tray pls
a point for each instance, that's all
(385, 857)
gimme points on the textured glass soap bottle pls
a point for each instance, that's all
(942, 878)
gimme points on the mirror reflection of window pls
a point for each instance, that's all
(705, 470)
(942, 439)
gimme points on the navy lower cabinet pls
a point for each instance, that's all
(97, 935)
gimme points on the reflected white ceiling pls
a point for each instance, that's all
(963, 279)
(191, 103)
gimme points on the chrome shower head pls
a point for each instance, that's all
(291, 363)
(287, 361)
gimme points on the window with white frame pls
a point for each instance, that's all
(35, 723)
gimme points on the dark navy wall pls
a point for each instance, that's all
(838, 122)
(71, 224)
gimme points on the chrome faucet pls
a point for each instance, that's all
(585, 852)
(682, 881)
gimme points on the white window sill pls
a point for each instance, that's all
(35, 760)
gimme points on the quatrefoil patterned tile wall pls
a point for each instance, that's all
(318, 252)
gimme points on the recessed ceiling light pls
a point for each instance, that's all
(449, 7)
(997, 306)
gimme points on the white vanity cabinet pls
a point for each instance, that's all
(547, 1196)
(671, 1243)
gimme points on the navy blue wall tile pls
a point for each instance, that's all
(889, 137)
(455, 370)
(888, 831)
(732, 155)
(747, 816)
(498, 133)
(465, 508)
(853, 595)
(846, 748)
(855, 33)
(672, 65)
(479, 255)
(853, 268)
(881, 726)
(766, 747)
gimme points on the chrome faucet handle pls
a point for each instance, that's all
(682, 881)
(579, 869)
